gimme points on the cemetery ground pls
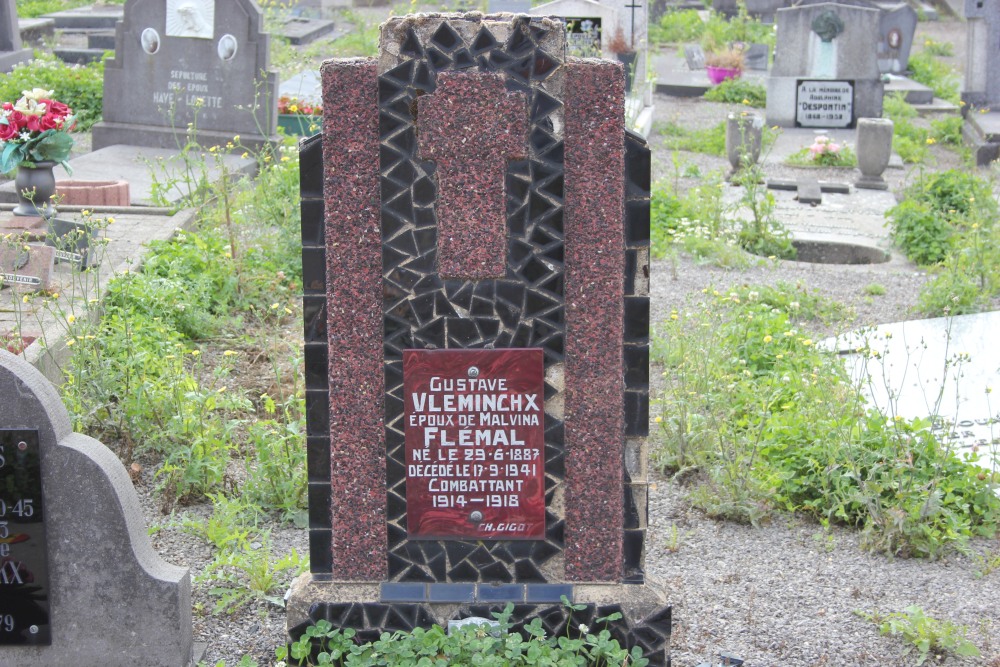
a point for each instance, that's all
(210, 333)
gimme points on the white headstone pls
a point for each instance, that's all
(942, 369)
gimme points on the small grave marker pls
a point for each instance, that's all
(26, 267)
(809, 191)
(79, 582)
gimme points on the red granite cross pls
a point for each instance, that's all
(471, 126)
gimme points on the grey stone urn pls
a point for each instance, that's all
(744, 132)
(35, 183)
(874, 146)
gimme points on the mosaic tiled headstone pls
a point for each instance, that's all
(477, 192)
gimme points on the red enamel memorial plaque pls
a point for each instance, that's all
(475, 444)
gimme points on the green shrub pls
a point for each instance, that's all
(953, 193)
(710, 140)
(942, 49)
(677, 26)
(909, 141)
(948, 130)
(138, 378)
(30, 9)
(922, 233)
(738, 91)
(79, 86)
(720, 32)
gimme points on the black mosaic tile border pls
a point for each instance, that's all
(371, 619)
(316, 354)
(635, 348)
(423, 311)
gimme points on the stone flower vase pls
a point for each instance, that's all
(874, 146)
(35, 183)
(744, 133)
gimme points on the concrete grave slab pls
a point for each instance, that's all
(36, 31)
(94, 17)
(141, 168)
(299, 30)
(913, 92)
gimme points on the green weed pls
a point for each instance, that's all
(874, 289)
(738, 91)
(926, 69)
(947, 220)
(772, 423)
(247, 572)
(909, 140)
(321, 644)
(941, 49)
(926, 635)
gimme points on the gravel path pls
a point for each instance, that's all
(780, 595)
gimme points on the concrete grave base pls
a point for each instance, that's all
(142, 168)
(112, 600)
(781, 99)
(982, 134)
(10, 59)
(108, 133)
(372, 608)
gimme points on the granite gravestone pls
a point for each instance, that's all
(896, 26)
(981, 93)
(825, 71)
(180, 63)
(476, 228)
(80, 583)
(11, 52)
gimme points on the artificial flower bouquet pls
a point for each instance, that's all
(829, 153)
(294, 106)
(35, 129)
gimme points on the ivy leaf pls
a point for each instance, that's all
(11, 157)
(55, 146)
